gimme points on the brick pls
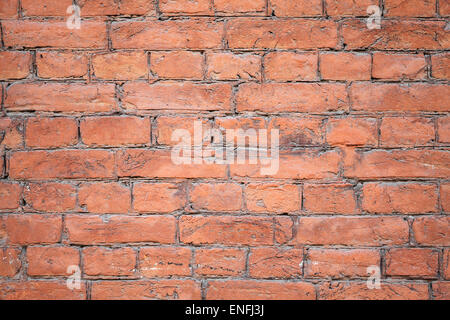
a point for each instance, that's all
(298, 8)
(220, 262)
(401, 132)
(10, 195)
(33, 229)
(61, 65)
(445, 197)
(165, 262)
(158, 164)
(444, 8)
(432, 231)
(405, 198)
(46, 8)
(446, 264)
(158, 197)
(412, 262)
(352, 231)
(115, 131)
(275, 263)
(226, 230)
(295, 132)
(40, 290)
(440, 65)
(290, 66)
(444, 130)
(98, 261)
(395, 35)
(120, 66)
(166, 126)
(259, 290)
(177, 65)
(291, 97)
(50, 197)
(11, 131)
(239, 7)
(352, 132)
(216, 197)
(167, 35)
(15, 65)
(62, 164)
(441, 290)
(146, 290)
(335, 198)
(54, 34)
(185, 7)
(345, 66)
(399, 66)
(283, 229)
(273, 198)
(61, 97)
(51, 261)
(230, 66)
(252, 33)
(51, 132)
(338, 263)
(360, 291)
(338, 8)
(190, 97)
(10, 263)
(9, 9)
(119, 229)
(398, 164)
(113, 8)
(414, 8)
(105, 198)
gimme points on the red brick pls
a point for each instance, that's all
(356, 231)
(432, 231)
(51, 261)
(115, 131)
(51, 132)
(104, 197)
(335, 198)
(406, 198)
(284, 230)
(166, 126)
(360, 291)
(253, 33)
(295, 132)
(230, 66)
(113, 8)
(9, 9)
(120, 66)
(275, 263)
(444, 130)
(413, 8)
(10, 195)
(167, 35)
(441, 290)
(54, 34)
(50, 197)
(399, 66)
(446, 264)
(146, 290)
(220, 262)
(98, 261)
(15, 65)
(61, 97)
(165, 262)
(401, 132)
(177, 65)
(348, 7)
(185, 7)
(259, 290)
(216, 197)
(46, 8)
(63, 164)
(345, 66)
(291, 97)
(32, 229)
(119, 229)
(338, 263)
(273, 198)
(40, 290)
(239, 7)
(189, 97)
(11, 130)
(445, 197)
(60, 65)
(9, 262)
(290, 66)
(226, 230)
(298, 8)
(352, 131)
(412, 262)
(440, 65)
(158, 197)
(444, 8)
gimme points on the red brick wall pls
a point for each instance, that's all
(86, 125)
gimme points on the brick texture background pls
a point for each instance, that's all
(86, 177)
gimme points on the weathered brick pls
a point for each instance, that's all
(445, 197)
(15, 65)
(352, 131)
(165, 262)
(295, 132)
(441, 290)
(166, 126)
(345, 66)
(51, 132)
(10, 195)
(275, 263)
(113, 8)
(413, 8)
(298, 8)
(335, 198)
(290, 66)
(104, 197)
(158, 197)
(440, 65)
(230, 66)
(239, 7)
(32, 229)
(401, 132)
(444, 8)
(399, 66)
(50, 197)
(273, 198)
(51, 261)
(412, 262)
(349, 7)
(177, 65)
(11, 131)
(185, 7)
(446, 264)
(10, 262)
(120, 66)
(46, 8)
(40, 290)
(9, 9)
(444, 130)
(219, 262)
(432, 230)
(216, 197)
(98, 261)
(60, 65)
